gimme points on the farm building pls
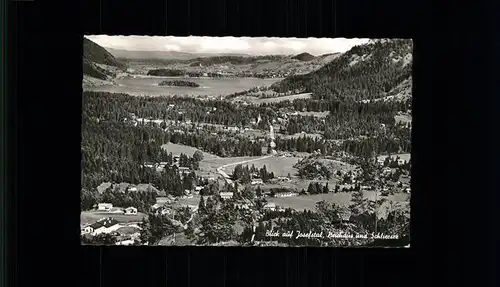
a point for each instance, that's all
(130, 210)
(270, 206)
(105, 225)
(104, 206)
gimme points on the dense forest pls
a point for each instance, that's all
(179, 84)
(364, 72)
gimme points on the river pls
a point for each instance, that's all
(148, 85)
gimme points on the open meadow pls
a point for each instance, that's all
(280, 166)
(177, 149)
(87, 217)
(308, 202)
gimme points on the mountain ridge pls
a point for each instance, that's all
(98, 63)
(366, 71)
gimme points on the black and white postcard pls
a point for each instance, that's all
(240, 141)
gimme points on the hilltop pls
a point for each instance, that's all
(368, 71)
(304, 57)
(99, 63)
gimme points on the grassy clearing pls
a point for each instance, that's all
(281, 99)
(211, 164)
(280, 166)
(403, 119)
(92, 216)
(177, 149)
(309, 201)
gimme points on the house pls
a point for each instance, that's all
(105, 225)
(257, 181)
(86, 229)
(148, 164)
(226, 195)
(270, 206)
(130, 210)
(132, 189)
(104, 206)
(125, 242)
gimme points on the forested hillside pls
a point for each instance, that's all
(93, 55)
(366, 71)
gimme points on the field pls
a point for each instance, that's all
(258, 101)
(280, 166)
(309, 201)
(177, 149)
(93, 216)
(211, 164)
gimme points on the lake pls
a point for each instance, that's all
(148, 85)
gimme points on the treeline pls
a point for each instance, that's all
(245, 174)
(179, 83)
(116, 107)
(345, 119)
(117, 152)
(375, 73)
(312, 169)
(181, 73)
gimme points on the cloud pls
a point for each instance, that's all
(241, 45)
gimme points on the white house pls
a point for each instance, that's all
(104, 206)
(130, 210)
(86, 229)
(133, 189)
(257, 181)
(125, 242)
(226, 195)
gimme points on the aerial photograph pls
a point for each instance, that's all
(246, 141)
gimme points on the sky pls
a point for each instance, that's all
(234, 45)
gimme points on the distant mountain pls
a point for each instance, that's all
(368, 71)
(162, 55)
(151, 55)
(304, 57)
(99, 63)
